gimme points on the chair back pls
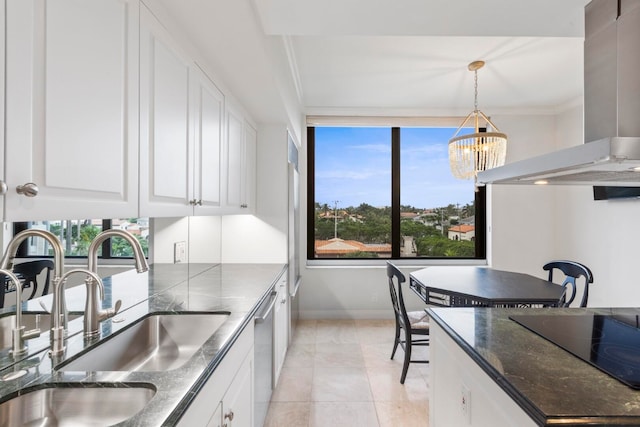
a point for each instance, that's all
(572, 271)
(396, 279)
(30, 270)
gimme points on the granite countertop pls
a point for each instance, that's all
(233, 289)
(551, 385)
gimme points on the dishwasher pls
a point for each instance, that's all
(263, 342)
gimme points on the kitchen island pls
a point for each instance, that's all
(488, 370)
(235, 290)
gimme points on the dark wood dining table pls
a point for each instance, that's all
(469, 286)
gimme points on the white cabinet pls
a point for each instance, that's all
(280, 326)
(71, 108)
(165, 187)
(237, 403)
(181, 129)
(207, 118)
(227, 398)
(240, 164)
(461, 393)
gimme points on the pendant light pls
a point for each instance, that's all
(483, 149)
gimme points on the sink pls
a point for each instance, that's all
(29, 321)
(81, 406)
(158, 342)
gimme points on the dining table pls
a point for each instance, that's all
(480, 286)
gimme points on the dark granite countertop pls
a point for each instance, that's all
(550, 384)
(236, 289)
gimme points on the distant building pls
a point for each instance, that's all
(336, 247)
(462, 232)
(409, 215)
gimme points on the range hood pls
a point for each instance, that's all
(611, 154)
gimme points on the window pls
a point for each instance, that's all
(77, 235)
(387, 192)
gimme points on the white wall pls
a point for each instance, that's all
(522, 218)
(601, 234)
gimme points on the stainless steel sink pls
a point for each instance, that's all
(77, 406)
(154, 343)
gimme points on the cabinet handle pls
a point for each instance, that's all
(29, 189)
(3, 188)
(284, 300)
(229, 416)
(199, 202)
(244, 205)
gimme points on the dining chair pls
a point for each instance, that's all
(572, 271)
(30, 272)
(408, 324)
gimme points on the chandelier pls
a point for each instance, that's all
(480, 150)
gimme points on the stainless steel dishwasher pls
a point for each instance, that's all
(263, 342)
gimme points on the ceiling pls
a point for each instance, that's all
(400, 56)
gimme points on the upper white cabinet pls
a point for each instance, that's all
(165, 131)
(180, 129)
(207, 118)
(249, 168)
(71, 109)
(240, 164)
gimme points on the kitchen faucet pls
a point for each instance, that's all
(59, 307)
(58, 329)
(92, 313)
(18, 334)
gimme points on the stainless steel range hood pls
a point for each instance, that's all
(611, 154)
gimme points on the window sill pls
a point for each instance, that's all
(382, 263)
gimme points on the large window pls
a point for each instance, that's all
(77, 235)
(387, 192)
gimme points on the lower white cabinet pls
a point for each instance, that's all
(227, 399)
(280, 326)
(462, 394)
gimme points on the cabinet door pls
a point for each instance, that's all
(237, 406)
(208, 117)
(165, 133)
(234, 148)
(72, 108)
(249, 153)
(216, 418)
(280, 327)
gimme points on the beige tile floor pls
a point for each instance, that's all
(338, 373)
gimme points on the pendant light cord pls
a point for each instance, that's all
(475, 82)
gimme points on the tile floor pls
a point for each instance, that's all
(338, 373)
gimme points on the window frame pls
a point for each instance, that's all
(480, 201)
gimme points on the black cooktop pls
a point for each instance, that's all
(608, 342)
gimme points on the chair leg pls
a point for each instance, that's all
(397, 340)
(407, 359)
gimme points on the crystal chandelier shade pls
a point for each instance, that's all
(483, 149)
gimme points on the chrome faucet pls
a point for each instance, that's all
(18, 334)
(59, 307)
(92, 313)
(58, 328)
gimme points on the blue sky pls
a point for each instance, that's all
(353, 166)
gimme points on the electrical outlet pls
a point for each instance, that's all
(179, 252)
(465, 403)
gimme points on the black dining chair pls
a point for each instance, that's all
(30, 270)
(408, 324)
(572, 271)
